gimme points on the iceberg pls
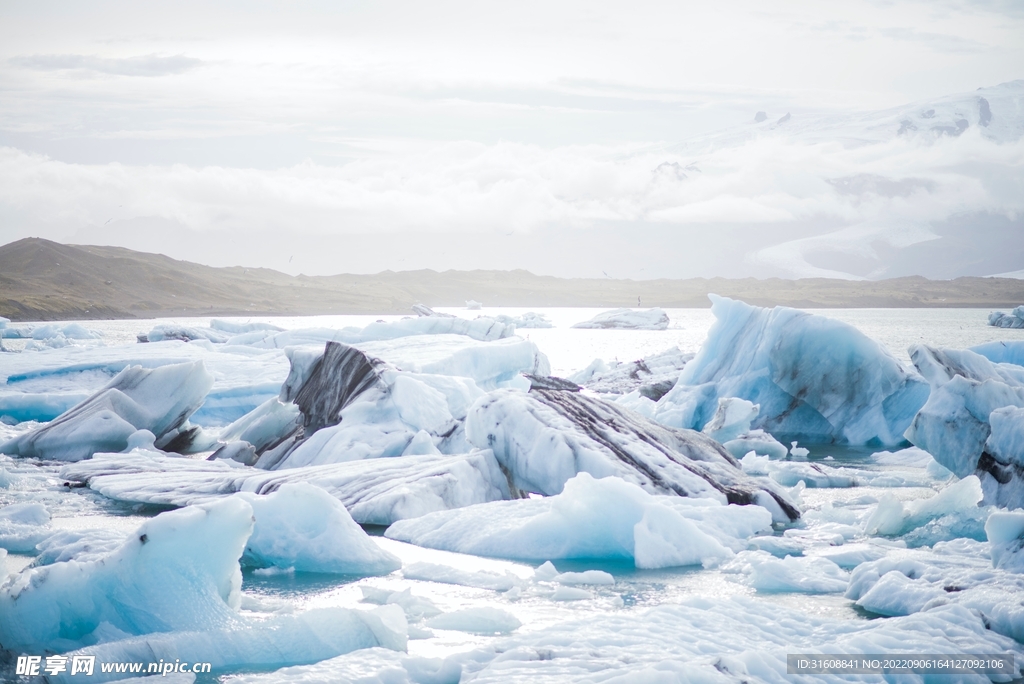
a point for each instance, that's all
(158, 400)
(375, 491)
(816, 379)
(302, 527)
(546, 436)
(179, 571)
(970, 423)
(1002, 351)
(627, 319)
(651, 376)
(592, 518)
(1014, 319)
(1005, 533)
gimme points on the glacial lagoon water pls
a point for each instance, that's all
(836, 511)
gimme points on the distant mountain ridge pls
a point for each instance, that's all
(44, 280)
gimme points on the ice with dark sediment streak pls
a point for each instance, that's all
(546, 436)
(375, 491)
(157, 400)
(816, 379)
(350, 405)
(650, 377)
(973, 422)
(627, 319)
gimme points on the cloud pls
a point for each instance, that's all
(142, 65)
(940, 42)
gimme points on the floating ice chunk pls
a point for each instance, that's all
(893, 517)
(563, 593)
(445, 574)
(307, 637)
(236, 328)
(375, 492)
(1005, 532)
(651, 377)
(588, 577)
(627, 319)
(758, 441)
(22, 526)
(807, 575)
(184, 333)
(483, 329)
(477, 620)
(303, 527)
(159, 400)
(179, 571)
(924, 580)
(848, 556)
(1002, 351)
(798, 453)
(816, 379)
(265, 427)
(414, 607)
(605, 518)
(473, 304)
(1014, 319)
(530, 319)
(731, 420)
(545, 437)
(955, 424)
(71, 331)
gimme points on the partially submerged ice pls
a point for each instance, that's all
(627, 319)
(593, 518)
(375, 491)
(816, 379)
(175, 583)
(546, 436)
(303, 528)
(651, 377)
(973, 422)
(157, 401)
(1014, 319)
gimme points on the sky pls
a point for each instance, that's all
(577, 139)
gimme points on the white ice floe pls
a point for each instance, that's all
(302, 527)
(22, 526)
(893, 517)
(477, 620)
(483, 329)
(446, 574)
(650, 377)
(970, 423)
(627, 319)
(530, 319)
(951, 573)
(376, 491)
(159, 400)
(724, 639)
(807, 575)
(545, 437)
(307, 637)
(731, 420)
(816, 379)
(605, 518)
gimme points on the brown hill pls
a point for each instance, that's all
(44, 280)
